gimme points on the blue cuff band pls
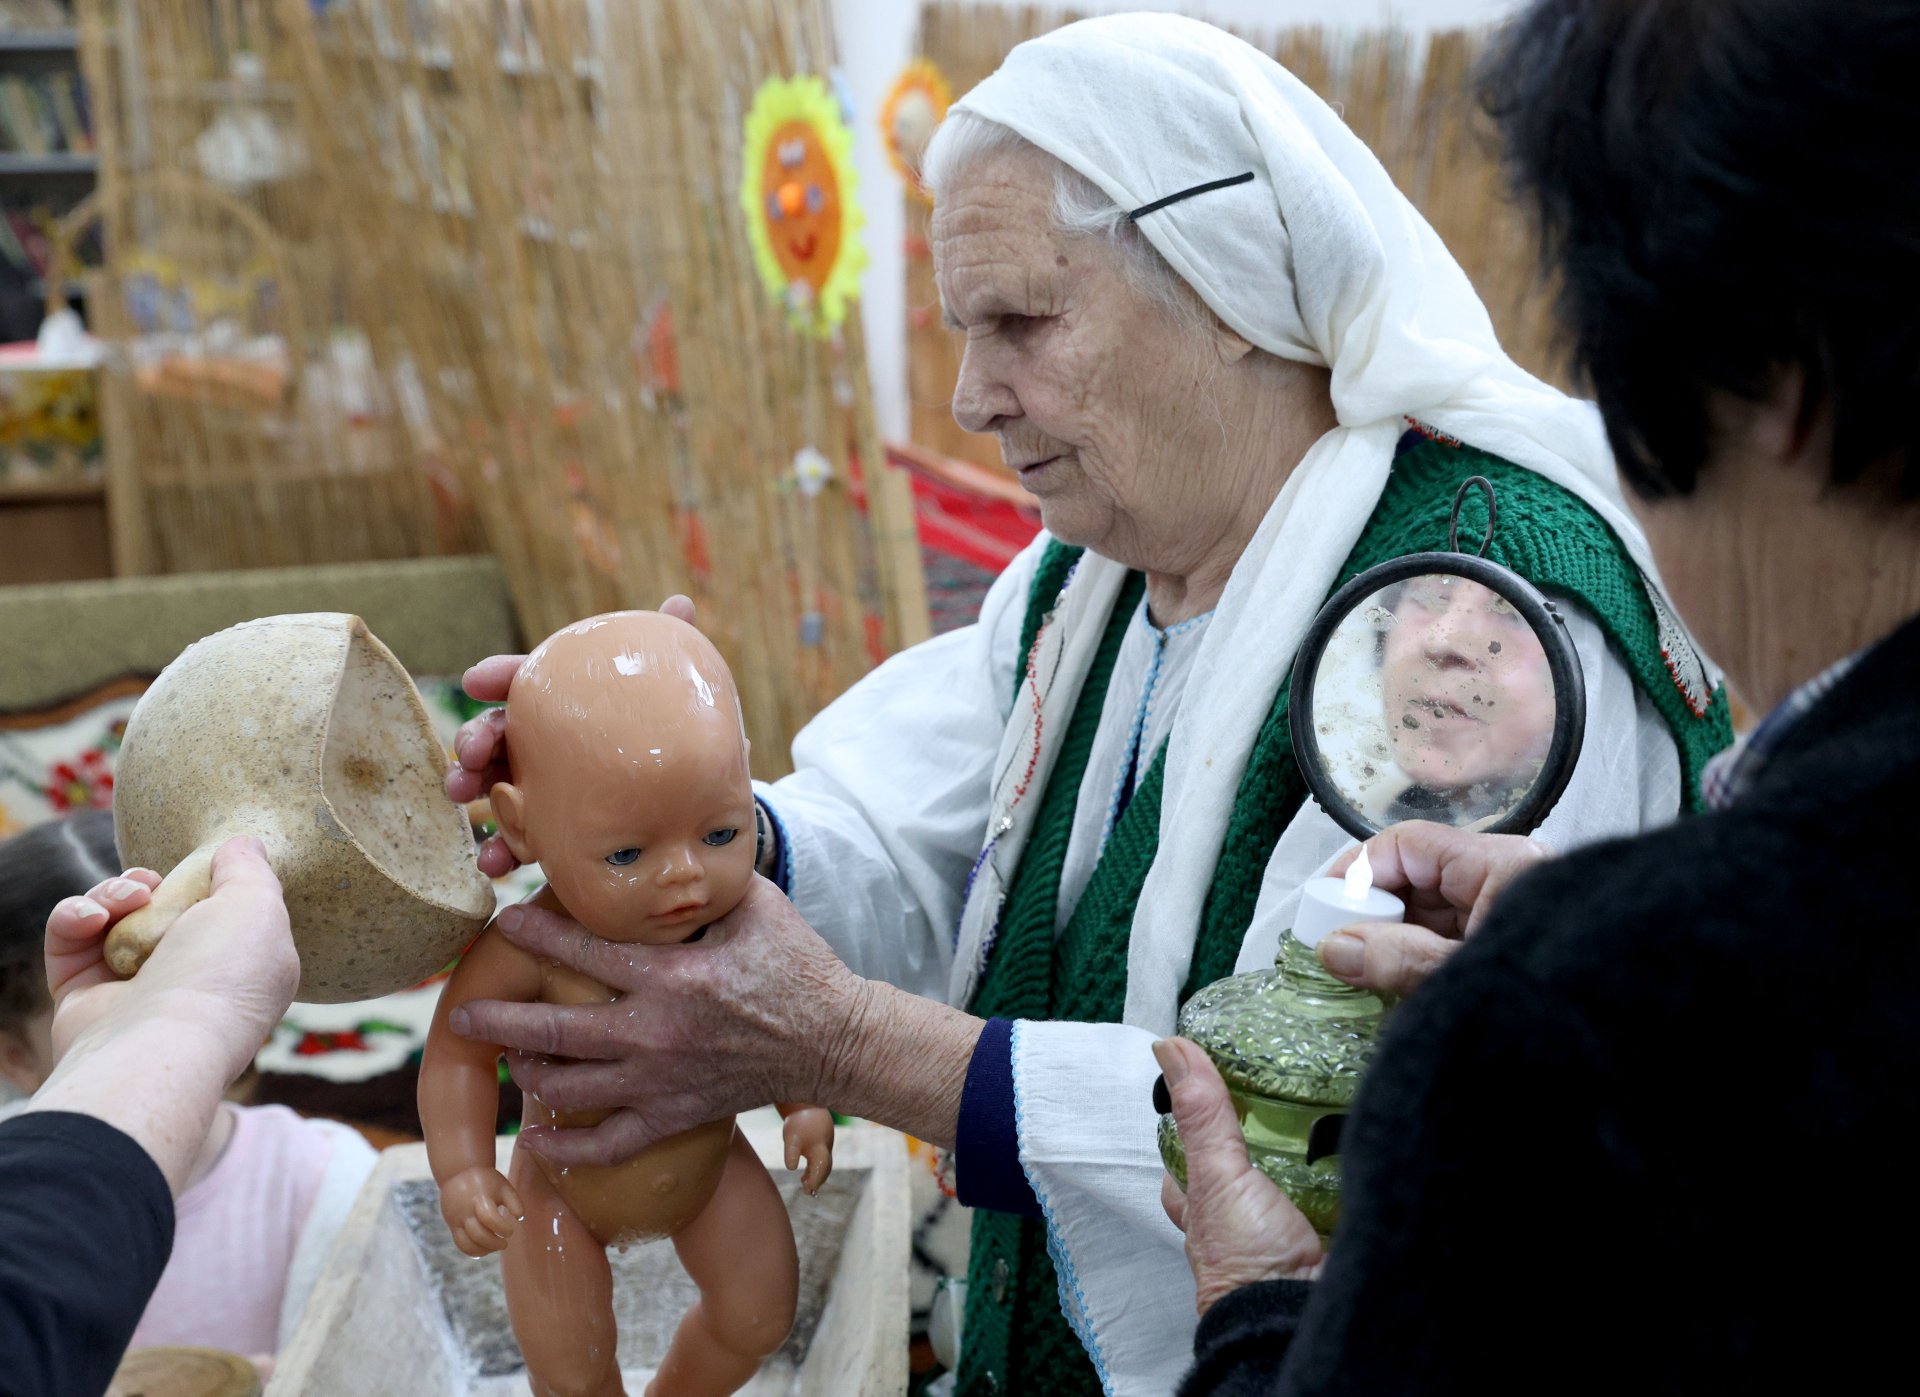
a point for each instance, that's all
(782, 848)
(986, 1155)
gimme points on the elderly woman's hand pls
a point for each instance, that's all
(1450, 879)
(1240, 1227)
(758, 1010)
(479, 762)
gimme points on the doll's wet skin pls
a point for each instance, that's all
(630, 782)
(631, 791)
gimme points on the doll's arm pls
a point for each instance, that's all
(459, 1097)
(808, 1134)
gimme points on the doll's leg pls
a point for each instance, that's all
(559, 1295)
(740, 1253)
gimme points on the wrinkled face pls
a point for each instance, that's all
(656, 842)
(803, 204)
(1097, 395)
(1467, 691)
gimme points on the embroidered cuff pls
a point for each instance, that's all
(987, 1172)
(782, 847)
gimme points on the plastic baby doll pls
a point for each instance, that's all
(631, 792)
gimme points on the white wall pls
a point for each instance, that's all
(875, 38)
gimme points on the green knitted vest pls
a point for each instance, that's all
(1017, 1338)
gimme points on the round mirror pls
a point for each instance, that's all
(1442, 687)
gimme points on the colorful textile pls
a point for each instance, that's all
(60, 761)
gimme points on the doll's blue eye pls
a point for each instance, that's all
(816, 198)
(721, 837)
(622, 857)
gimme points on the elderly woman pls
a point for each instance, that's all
(1235, 367)
(1600, 1150)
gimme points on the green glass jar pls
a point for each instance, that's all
(1292, 1043)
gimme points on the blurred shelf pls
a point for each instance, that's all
(76, 289)
(439, 58)
(24, 53)
(15, 164)
(40, 41)
(50, 492)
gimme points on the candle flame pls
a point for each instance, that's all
(1359, 877)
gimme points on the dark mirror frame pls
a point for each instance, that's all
(1569, 684)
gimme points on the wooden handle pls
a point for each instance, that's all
(184, 1372)
(135, 935)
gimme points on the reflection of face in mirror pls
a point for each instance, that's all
(1434, 701)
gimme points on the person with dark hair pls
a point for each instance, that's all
(1647, 1130)
(38, 868)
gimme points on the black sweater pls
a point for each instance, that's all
(1649, 1130)
(86, 1224)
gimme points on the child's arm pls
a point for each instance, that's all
(808, 1134)
(459, 1098)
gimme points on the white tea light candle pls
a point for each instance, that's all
(1327, 904)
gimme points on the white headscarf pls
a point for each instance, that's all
(1317, 259)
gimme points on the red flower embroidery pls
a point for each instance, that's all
(314, 1044)
(81, 784)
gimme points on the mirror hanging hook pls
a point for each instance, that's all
(1459, 499)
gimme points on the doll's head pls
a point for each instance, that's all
(630, 780)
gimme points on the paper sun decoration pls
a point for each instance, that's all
(915, 106)
(798, 191)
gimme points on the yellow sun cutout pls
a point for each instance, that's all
(797, 187)
(915, 106)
